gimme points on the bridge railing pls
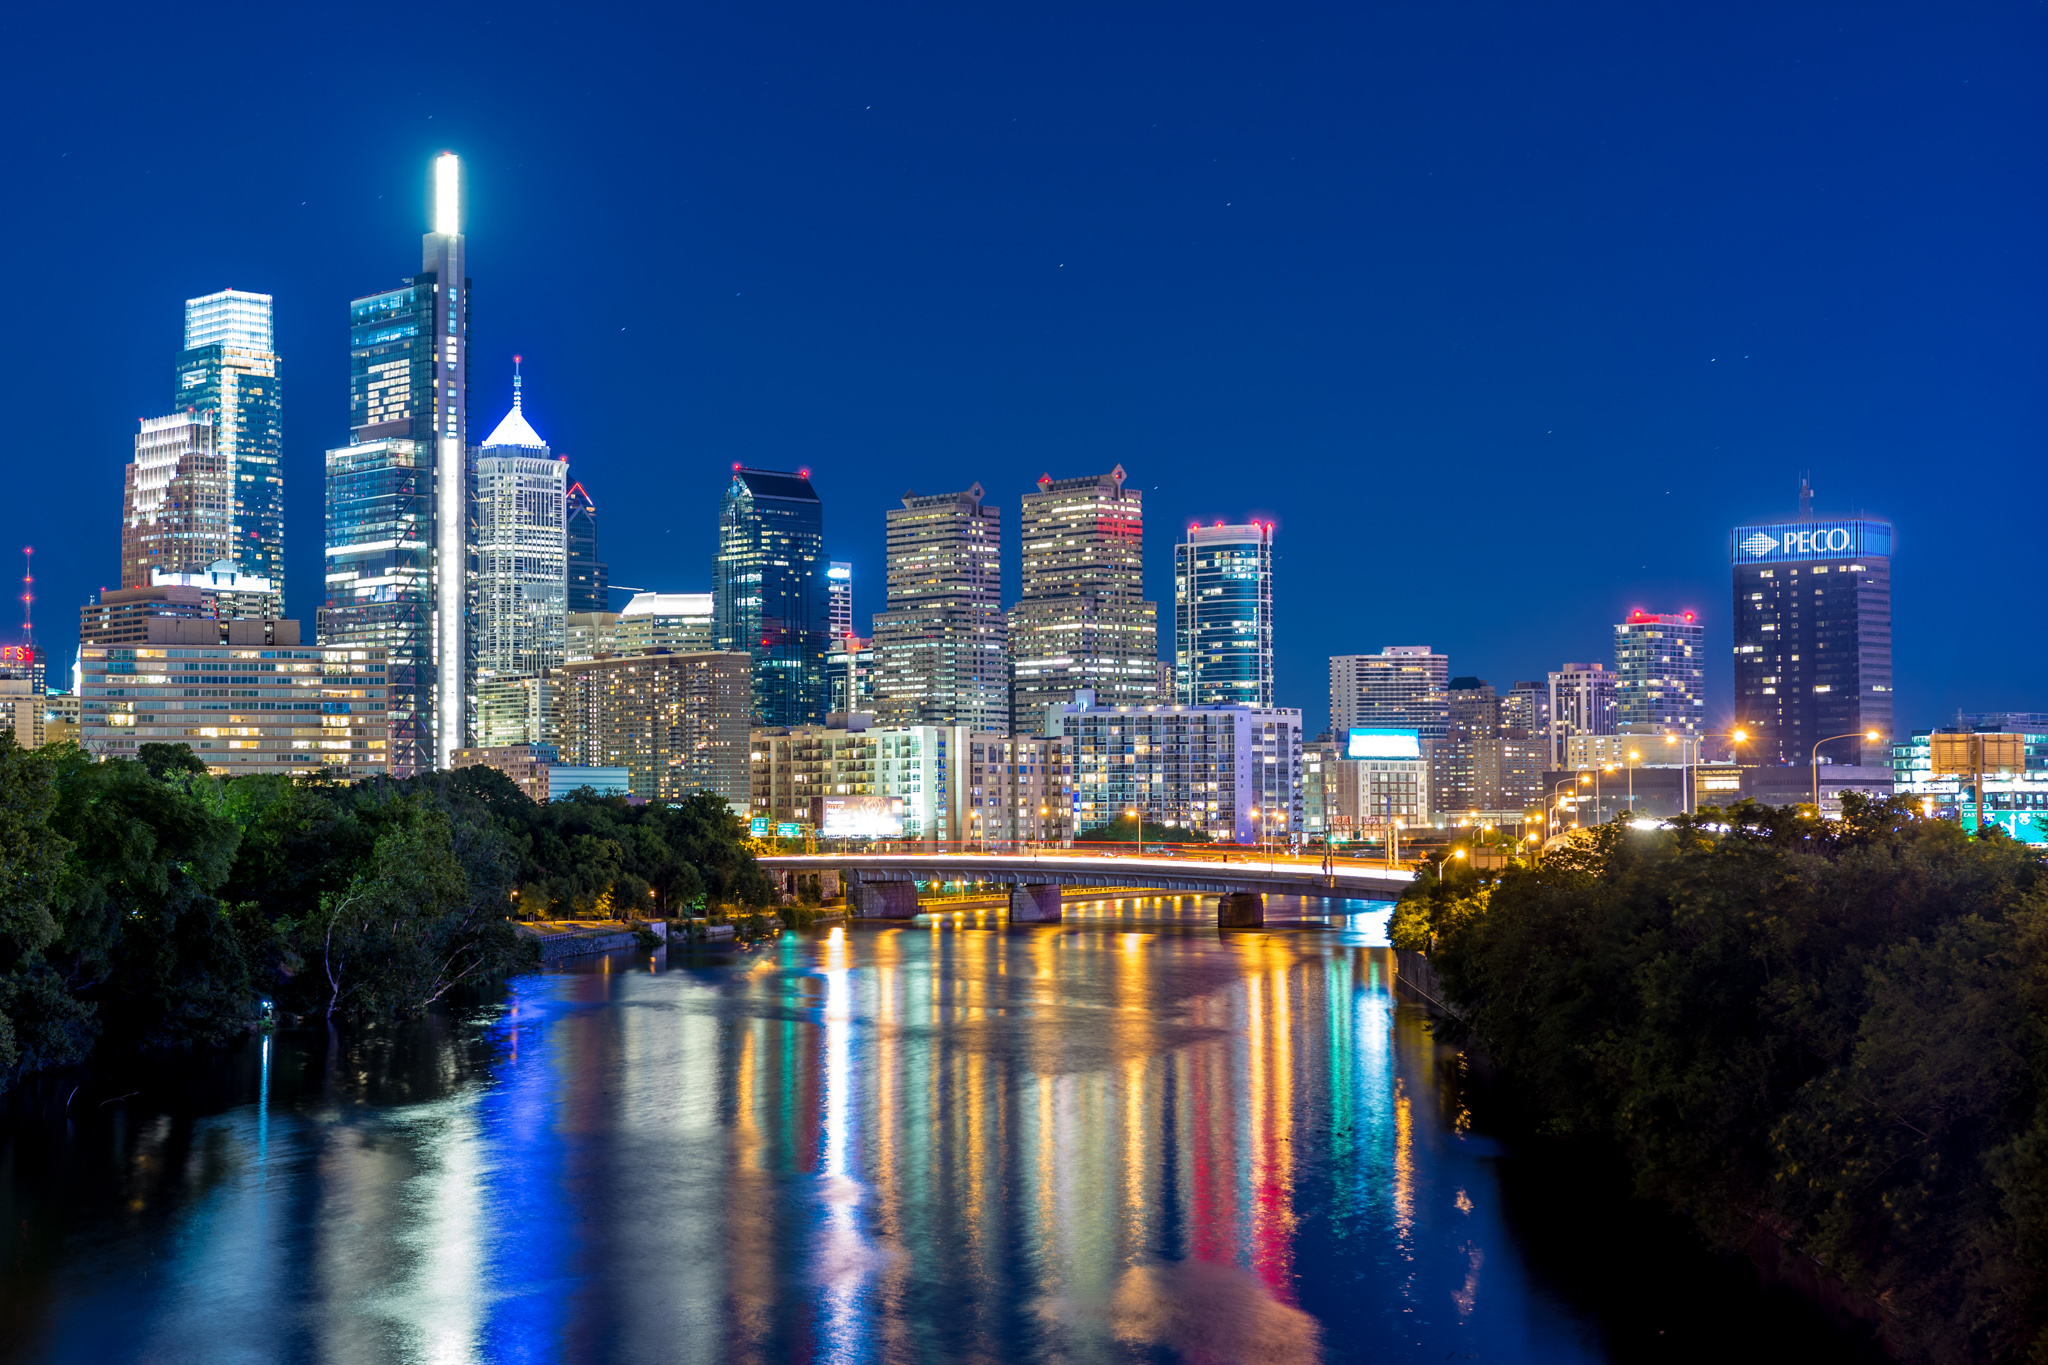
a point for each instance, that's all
(1090, 848)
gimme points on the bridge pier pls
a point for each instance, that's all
(1241, 910)
(1034, 903)
(881, 900)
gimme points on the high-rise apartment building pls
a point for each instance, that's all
(850, 675)
(589, 580)
(177, 512)
(1581, 703)
(1660, 665)
(1464, 766)
(839, 590)
(1081, 622)
(521, 549)
(409, 445)
(228, 370)
(1402, 686)
(1524, 744)
(941, 653)
(1223, 616)
(590, 634)
(676, 722)
(1813, 637)
(768, 590)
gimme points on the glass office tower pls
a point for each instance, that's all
(589, 582)
(941, 648)
(768, 590)
(229, 370)
(521, 548)
(1813, 637)
(1223, 616)
(408, 457)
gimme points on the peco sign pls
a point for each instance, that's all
(1810, 540)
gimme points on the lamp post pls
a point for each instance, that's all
(1137, 831)
(1633, 757)
(1548, 828)
(1853, 734)
(1454, 853)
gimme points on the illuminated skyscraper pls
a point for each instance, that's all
(1581, 704)
(1223, 615)
(521, 548)
(1813, 636)
(229, 370)
(1081, 621)
(1402, 686)
(398, 496)
(768, 591)
(589, 581)
(940, 652)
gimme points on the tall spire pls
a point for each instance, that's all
(514, 430)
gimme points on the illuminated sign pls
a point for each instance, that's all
(760, 826)
(1384, 744)
(786, 830)
(1810, 540)
(863, 817)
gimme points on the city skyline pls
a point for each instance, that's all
(1196, 299)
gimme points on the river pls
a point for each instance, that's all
(1125, 1138)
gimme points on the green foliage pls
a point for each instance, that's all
(1121, 830)
(1836, 1032)
(146, 905)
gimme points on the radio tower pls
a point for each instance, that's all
(28, 596)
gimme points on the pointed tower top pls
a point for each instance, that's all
(515, 431)
(1805, 499)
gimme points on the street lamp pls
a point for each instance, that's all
(1454, 853)
(1137, 830)
(1867, 734)
(1633, 758)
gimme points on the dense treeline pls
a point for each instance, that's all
(145, 905)
(1832, 1032)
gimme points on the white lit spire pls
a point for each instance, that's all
(448, 194)
(514, 431)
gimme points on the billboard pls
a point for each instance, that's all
(1384, 744)
(863, 817)
(1794, 541)
(1967, 753)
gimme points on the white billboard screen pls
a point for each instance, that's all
(1384, 744)
(863, 817)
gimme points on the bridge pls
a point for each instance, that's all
(884, 885)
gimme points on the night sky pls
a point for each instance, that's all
(1504, 313)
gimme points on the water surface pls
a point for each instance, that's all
(1128, 1137)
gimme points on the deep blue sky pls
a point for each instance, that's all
(1504, 313)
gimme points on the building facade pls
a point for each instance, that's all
(244, 706)
(1582, 702)
(1348, 799)
(1230, 772)
(522, 549)
(940, 645)
(1402, 686)
(677, 621)
(1660, 670)
(1465, 765)
(177, 513)
(1524, 744)
(518, 709)
(839, 595)
(850, 676)
(1223, 616)
(1813, 638)
(589, 580)
(676, 722)
(380, 579)
(228, 370)
(122, 616)
(769, 591)
(1081, 622)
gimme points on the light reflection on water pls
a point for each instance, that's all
(1124, 1138)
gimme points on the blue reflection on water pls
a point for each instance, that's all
(1126, 1137)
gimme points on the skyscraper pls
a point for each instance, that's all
(1223, 615)
(521, 548)
(1402, 687)
(589, 581)
(178, 504)
(1081, 620)
(1813, 636)
(229, 370)
(1464, 766)
(398, 493)
(1660, 672)
(1581, 703)
(941, 653)
(768, 591)
(839, 583)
